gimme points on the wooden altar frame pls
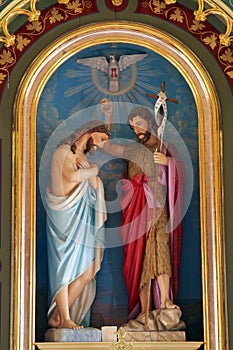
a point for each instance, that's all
(24, 179)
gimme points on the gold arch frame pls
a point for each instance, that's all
(24, 187)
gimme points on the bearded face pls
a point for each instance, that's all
(143, 137)
(141, 128)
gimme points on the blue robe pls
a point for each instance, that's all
(75, 239)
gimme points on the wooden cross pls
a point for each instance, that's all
(163, 89)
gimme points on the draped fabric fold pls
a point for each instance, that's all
(136, 223)
(134, 226)
(75, 239)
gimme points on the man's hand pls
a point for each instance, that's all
(95, 169)
(160, 158)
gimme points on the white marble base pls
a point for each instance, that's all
(73, 335)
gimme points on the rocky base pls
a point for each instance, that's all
(149, 336)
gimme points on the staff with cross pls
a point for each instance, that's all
(160, 110)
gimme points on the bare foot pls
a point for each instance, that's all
(141, 315)
(69, 324)
(53, 323)
(168, 304)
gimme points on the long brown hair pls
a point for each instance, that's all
(144, 113)
(89, 127)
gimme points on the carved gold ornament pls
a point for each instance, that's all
(117, 2)
(32, 14)
(169, 2)
(121, 344)
(63, 1)
(201, 14)
(15, 43)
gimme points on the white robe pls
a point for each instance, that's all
(75, 238)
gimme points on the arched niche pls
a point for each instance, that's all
(24, 172)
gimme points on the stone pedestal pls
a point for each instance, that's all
(73, 335)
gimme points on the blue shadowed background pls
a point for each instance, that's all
(74, 87)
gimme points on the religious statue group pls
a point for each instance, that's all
(150, 230)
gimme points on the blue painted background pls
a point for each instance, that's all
(74, 87)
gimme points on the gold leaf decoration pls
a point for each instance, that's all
(55, 16)
(193, 22)
(177, 16)
(2, 78)
(227, 56)
(35, 26)
(230, 73)
(6, 58)
(197, 26)
(76, 6)
(211, 41)
(21, 42)
(157, 6)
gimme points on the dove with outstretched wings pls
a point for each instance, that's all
(113, 67)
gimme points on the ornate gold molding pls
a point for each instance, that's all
(32, 14)
(215, 9)
(201, 14)
(169, 2)
(121, 344)
(63, 1)
(107, 346)
(117, 2)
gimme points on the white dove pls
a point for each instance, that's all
(113, 67)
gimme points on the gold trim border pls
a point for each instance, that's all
(210, 151)
(107, 346)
